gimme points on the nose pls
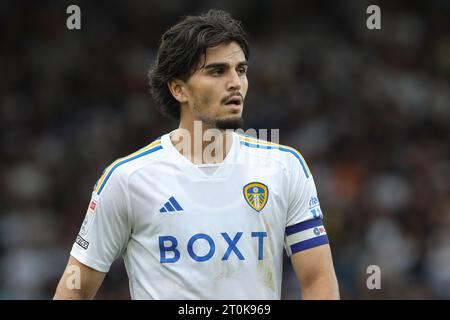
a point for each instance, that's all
(234, 82)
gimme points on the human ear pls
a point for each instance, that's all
(177, 90)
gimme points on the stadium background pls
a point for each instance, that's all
(369, 110)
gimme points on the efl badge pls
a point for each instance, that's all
(89, 217)
(256, 195)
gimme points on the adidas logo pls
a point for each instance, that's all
(171, 206)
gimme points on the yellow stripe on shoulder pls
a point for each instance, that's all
(109, 168)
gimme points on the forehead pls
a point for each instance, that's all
(224, 53)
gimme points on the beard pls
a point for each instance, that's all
(227, 124)
(231, 123)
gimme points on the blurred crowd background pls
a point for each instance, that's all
(368, 109)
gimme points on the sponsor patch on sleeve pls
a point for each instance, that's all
(82, 242)
(89, 218)
(314, 208)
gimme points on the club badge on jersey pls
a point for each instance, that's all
(89, 217)
(256, 194)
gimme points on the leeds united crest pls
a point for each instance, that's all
(256, 195)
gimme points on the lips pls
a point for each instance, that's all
(236, 101)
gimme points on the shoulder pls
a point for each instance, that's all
(287, 155)
(119, 170)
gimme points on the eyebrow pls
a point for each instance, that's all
(224, 65)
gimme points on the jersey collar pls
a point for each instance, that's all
(223, 170)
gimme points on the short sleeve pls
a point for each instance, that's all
(106, 229)
(304, 225)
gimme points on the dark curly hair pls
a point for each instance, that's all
(181, 48)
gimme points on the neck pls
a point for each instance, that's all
(200, 143)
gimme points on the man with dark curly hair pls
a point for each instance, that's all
(203, 212)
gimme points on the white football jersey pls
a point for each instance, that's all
(188, 234)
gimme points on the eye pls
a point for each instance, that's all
(242, 70)
(217, 72)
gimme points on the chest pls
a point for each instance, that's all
(244, 199)
(244, 209)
